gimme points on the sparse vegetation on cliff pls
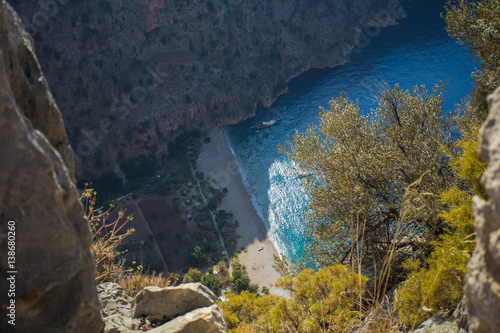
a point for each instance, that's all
(107, 238)
(438, 283)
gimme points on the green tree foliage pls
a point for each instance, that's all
(240, 280)
(222, 267)
(357, 170)
(195, 257)
(322, 301)
(193, 275)
(439, 285)
(477, 25)
(211, 281)
(248, 312)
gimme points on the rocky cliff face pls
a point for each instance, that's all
(129, 75)
(482, 290)
(44, 239)
(188, 308)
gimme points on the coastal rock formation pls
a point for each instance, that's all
(482, 288)
(141, 72)
(157, 303)
(41, 218)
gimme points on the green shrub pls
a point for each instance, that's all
(193, 275)
(439, 286)
(195, 257)
(211, 281)
(321, 301)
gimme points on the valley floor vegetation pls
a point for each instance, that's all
(165, 227)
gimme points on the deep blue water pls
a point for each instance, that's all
(416, 52)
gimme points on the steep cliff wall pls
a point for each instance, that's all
(129, 75)
(482, 290)
(47, 272)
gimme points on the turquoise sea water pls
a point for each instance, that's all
(416, 52)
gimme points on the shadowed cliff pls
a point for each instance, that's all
(131, 75)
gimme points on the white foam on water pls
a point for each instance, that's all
(287, 202)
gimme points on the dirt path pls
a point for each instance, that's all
(157, 248)
(213, 217)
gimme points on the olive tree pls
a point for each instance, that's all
(477, 25)
(373, 180)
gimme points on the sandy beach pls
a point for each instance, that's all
(217, 161)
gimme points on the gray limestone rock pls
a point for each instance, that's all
(482, 290)
(157, 303)
(115, 307)
(441, 324)
(54, 284)
(209, 319)
(187, 308)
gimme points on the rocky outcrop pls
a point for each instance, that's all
(482, 288)
(116, 309)
(188, 308)
(141, 72)
(51, 283)
(441, 323)
(157, 303)
(209, 319)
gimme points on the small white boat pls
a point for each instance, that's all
(267, 123)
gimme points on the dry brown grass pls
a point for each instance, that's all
(134, 281)
(379, 315)
(107, 237)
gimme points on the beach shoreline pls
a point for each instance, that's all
(216, 160)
